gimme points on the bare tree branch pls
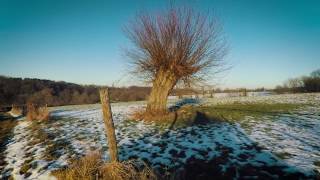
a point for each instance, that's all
(179, 44)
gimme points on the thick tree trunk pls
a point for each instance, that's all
(162, 85)
(108, 122)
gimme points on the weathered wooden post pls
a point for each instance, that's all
(108, 122)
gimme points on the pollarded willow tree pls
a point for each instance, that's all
(178, 45)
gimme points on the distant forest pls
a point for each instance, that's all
(21, 91)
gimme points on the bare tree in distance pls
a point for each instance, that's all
(315, 74)
(176, 45)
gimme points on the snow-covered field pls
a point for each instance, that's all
(271, 146)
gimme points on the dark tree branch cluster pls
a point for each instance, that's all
(177, 45)
(181, 41)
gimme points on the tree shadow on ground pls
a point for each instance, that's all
(209, 149)
(201, 119)
(178, 105)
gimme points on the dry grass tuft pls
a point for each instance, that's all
(18, 111)
(84, 168)
(92, 167)
(127, 170)
(37, 112)
(153, 116)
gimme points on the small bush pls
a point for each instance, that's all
(37, 112)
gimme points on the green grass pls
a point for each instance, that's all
(239, 111)
(235, 112)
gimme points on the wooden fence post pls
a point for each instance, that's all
(109, 126)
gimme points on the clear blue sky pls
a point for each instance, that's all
(82, 41)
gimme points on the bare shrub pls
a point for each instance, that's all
(35, 112)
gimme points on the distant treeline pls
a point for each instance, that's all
(227, 90)
(309, 83)
(21, 91)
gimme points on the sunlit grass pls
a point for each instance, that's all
(235, 112)
(239, 111)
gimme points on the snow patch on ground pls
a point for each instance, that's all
(294, 137)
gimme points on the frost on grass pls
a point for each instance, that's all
(269, 146)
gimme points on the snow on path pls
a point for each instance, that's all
(15, 149)
(18, 151)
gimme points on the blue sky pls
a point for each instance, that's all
(82, 41)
